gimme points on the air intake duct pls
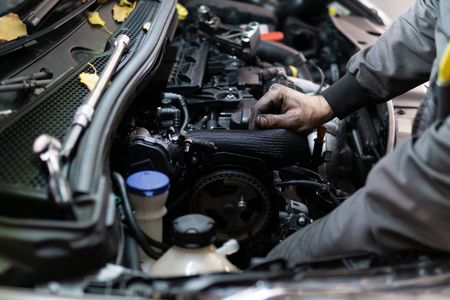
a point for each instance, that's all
(277, 147)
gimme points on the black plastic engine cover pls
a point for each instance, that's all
(236, 12)
(277, 147)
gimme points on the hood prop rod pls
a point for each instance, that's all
(85, 112)
(50, 149)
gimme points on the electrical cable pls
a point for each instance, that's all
(322, 77)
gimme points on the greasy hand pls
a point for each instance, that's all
(282, 107)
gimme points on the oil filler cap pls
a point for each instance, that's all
(148, 183)
(193, 231)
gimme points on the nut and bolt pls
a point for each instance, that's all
(230, 97)
(242, 204)
(301, 221)
(187, 145)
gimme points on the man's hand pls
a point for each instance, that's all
(282, 107)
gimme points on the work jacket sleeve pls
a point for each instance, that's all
(401, 59)
(405, 205)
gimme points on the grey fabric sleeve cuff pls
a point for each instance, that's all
(346, 96)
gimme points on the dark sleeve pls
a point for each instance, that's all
(400, 60)
(405, 205)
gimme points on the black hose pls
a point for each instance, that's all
(133, 227)
(121, 248)
(312, 185)
(311, 173)
(180, 99)
(149, 240)
(287, 56)
(25, 85)
(131, 257)
(130, 253)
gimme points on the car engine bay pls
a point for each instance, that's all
(186, 120)
(258, 186)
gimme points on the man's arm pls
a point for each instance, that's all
(401, 59)
(405, 205)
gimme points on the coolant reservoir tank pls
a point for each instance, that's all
(193, 251)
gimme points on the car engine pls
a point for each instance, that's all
(176, 103)
(191, 123)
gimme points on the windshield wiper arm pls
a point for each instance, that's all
(31, 40)
(27, 82)
(39, 13)
(53, 153)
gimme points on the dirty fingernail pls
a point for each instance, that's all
(261, 121)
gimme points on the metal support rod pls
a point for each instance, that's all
(120, 44)
(84, 113)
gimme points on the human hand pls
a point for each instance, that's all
(282, 107)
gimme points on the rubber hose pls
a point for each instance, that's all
(132, 224)
(287, 56)
(311, 185)
(184, 109)
(148, 239)
(131, 254)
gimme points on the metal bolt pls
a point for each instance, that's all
(203, 9)
(187, 145)
(400, 111)
(242, 204)
(166, 101)
(230, 97)
(194, 160)
(253, 24)
(301, 221)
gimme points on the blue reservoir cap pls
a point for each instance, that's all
(148, 183)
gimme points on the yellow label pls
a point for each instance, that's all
(444, 67)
